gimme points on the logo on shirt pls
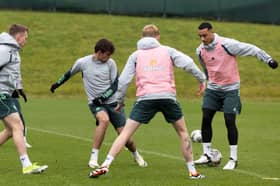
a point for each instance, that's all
(153, 62)
(153, 66)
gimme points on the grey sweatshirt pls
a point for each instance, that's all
(97, 76)
(179, 60)
(10, 75)
(235, 48)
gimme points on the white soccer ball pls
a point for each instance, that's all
(216, 156)
(196, 136)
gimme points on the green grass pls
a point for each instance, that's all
(60, 131)
(58, 39)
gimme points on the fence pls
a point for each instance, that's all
(262, 11)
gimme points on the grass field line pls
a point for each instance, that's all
(107, 144)
(249, 173)
(256, 175)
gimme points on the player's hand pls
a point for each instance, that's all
(202, 87)
(22, 93)
(97, 101)
(273, 64)
(15, 94)
(53, 87)
(119, 106)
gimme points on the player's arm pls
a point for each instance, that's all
(19, 90)
(61, 80)
(185, 62)
(238, 48)
(66, 76)
(5, 58)
(126, 77)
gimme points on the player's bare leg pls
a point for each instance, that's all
(186, 148)
(98, 137)
(130, 144)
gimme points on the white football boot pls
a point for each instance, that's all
(34, 169)
(140, 161)
(93, 164)
(204, 159)
(231, 164)
(98, 172)
(196, 176)
(28, 145)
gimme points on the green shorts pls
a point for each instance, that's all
(224, 101)
(116, 118)
(7, 105)
(143, 111)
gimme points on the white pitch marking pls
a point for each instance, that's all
(267, 178)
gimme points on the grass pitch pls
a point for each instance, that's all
(60, 131)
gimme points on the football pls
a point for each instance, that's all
(216, 157)
(196, 136)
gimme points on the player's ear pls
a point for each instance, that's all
(158, 37)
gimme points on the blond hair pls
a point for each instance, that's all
(150, 31)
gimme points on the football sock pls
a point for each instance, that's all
(135, 154)
(191, 167)
(94, 154)
(25, 160)
(108, 161)
(206, 148)
(233, 152)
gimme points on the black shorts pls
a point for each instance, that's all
(225, 101)
(143, 111)
(7, 105)
(116, 118)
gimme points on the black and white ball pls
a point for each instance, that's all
(196, 136)
(215, 156)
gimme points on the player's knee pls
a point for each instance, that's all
(103, 119)
(18, 126)
(104, 122)
(14, 124)
(206, 118)
(207, 115)
(230, 120)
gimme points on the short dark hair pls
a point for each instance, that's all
(17, 28)
(205, 25)
(104, 45)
